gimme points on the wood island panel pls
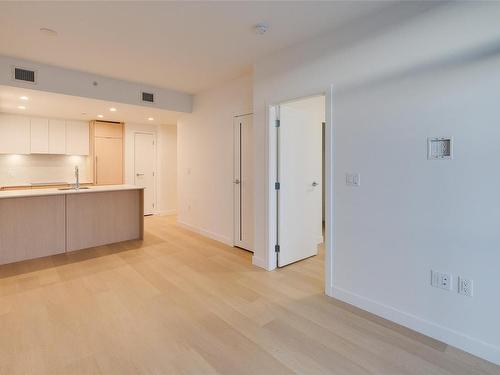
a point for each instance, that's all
(31, 227)
(100, 218)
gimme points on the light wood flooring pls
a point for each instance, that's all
(179, 303)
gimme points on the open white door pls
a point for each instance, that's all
(300, 179)
(144, 168)
(243, 182)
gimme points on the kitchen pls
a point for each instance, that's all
(69, 172)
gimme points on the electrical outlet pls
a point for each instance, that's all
(465, 286)
(441, 280)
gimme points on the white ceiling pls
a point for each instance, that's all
(187, 46)
(46, 104)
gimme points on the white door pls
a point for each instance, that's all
(243, 182)
(144, 168)
(299, 174)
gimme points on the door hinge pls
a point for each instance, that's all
(153, 205)
(153, 174)
(277, 248)
(276, 186)
(277, 123)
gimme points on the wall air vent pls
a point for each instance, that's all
(24, 75)
(148, 97)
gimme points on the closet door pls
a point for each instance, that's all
(243, 182)
(108, 161)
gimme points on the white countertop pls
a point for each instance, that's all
(43, 192)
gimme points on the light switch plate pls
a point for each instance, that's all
(352, 179)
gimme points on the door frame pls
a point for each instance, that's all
(234, 242)
(272, 208)
(155, 167)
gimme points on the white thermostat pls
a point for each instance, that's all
(440, 148)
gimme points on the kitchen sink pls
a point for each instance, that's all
(73, 188)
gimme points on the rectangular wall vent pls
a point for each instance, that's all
(148, 97)
(25, 75)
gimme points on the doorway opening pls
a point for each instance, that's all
(300, 202)
(243, 217)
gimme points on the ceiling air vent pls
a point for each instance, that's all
(148, 97)
(24, 75)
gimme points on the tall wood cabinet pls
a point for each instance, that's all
(108, 151)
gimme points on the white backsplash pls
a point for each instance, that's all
(17, 170)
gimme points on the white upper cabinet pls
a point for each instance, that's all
(39, 136)
(77, 138)
(33, 135)
(48, 136)
(14, 134)
(57, 137)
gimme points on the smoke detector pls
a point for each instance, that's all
(261, 28)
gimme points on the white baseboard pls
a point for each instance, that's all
(436, 331)
(261, 262)
(214, 236)
(166, 212)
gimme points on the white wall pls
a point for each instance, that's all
(205, 159)
(431, 76)
(167, 154)
(166, 163)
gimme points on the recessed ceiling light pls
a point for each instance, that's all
(48, 32)
(112, 109)
(100, 116)
(21, 107)
(150, 119)
(23, 98)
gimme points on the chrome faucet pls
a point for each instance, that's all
(77, 177)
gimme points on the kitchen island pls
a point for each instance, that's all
(41, 222)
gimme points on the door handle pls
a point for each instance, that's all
(314, 183)
(237, 182)
(139, 174)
